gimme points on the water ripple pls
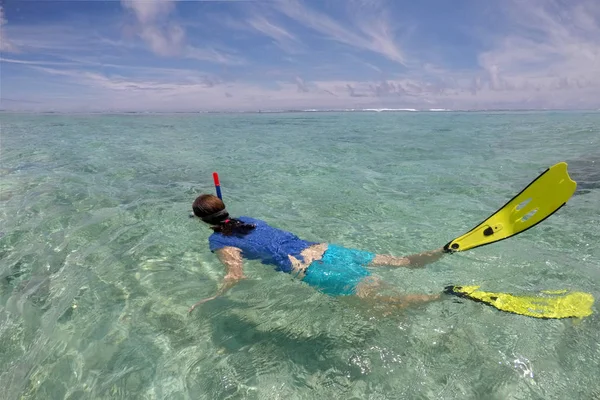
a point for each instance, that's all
(99, 262)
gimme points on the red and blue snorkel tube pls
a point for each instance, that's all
(217, 185)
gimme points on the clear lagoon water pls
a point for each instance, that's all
(99, 261)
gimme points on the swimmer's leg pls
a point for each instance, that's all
(370, 288)
(413, 261)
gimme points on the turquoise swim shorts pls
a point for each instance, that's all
(339, 271)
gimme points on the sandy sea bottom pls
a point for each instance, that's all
(99, 261)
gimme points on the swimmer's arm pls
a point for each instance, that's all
(231, 258)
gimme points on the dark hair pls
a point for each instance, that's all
(212, 210)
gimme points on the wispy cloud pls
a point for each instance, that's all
(283, 38)
(551, 45)
(374, 31)
(58, 40)
(6, 46)
(154, 79)
(38, 63)
(212, 55)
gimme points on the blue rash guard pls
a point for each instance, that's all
(338, 272)
(265, 243)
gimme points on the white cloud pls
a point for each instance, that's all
(149, 12)
(187, 90)
(547, 56)
(173, 89)
(166, 37)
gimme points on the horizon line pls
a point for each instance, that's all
(283, 111)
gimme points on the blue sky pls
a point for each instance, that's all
(162, 55)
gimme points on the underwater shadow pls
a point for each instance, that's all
(586, 172)
(313, 352)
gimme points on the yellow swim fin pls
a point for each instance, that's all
(547, 306)
(540, 199)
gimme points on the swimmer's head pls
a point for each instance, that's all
(210, 209)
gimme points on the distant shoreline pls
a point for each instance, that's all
(296, 111)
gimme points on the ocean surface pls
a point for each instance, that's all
(99, 261)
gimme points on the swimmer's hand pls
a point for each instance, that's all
(201, 302)
(228, 283)
(231, 257)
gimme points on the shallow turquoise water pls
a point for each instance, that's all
(99, 261)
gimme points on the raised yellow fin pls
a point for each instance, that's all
(573, 304)
(541, 198)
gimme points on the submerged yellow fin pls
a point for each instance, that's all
(541, 198)
(574, 304)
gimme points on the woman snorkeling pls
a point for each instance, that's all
(340, 271)
(332, 269)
